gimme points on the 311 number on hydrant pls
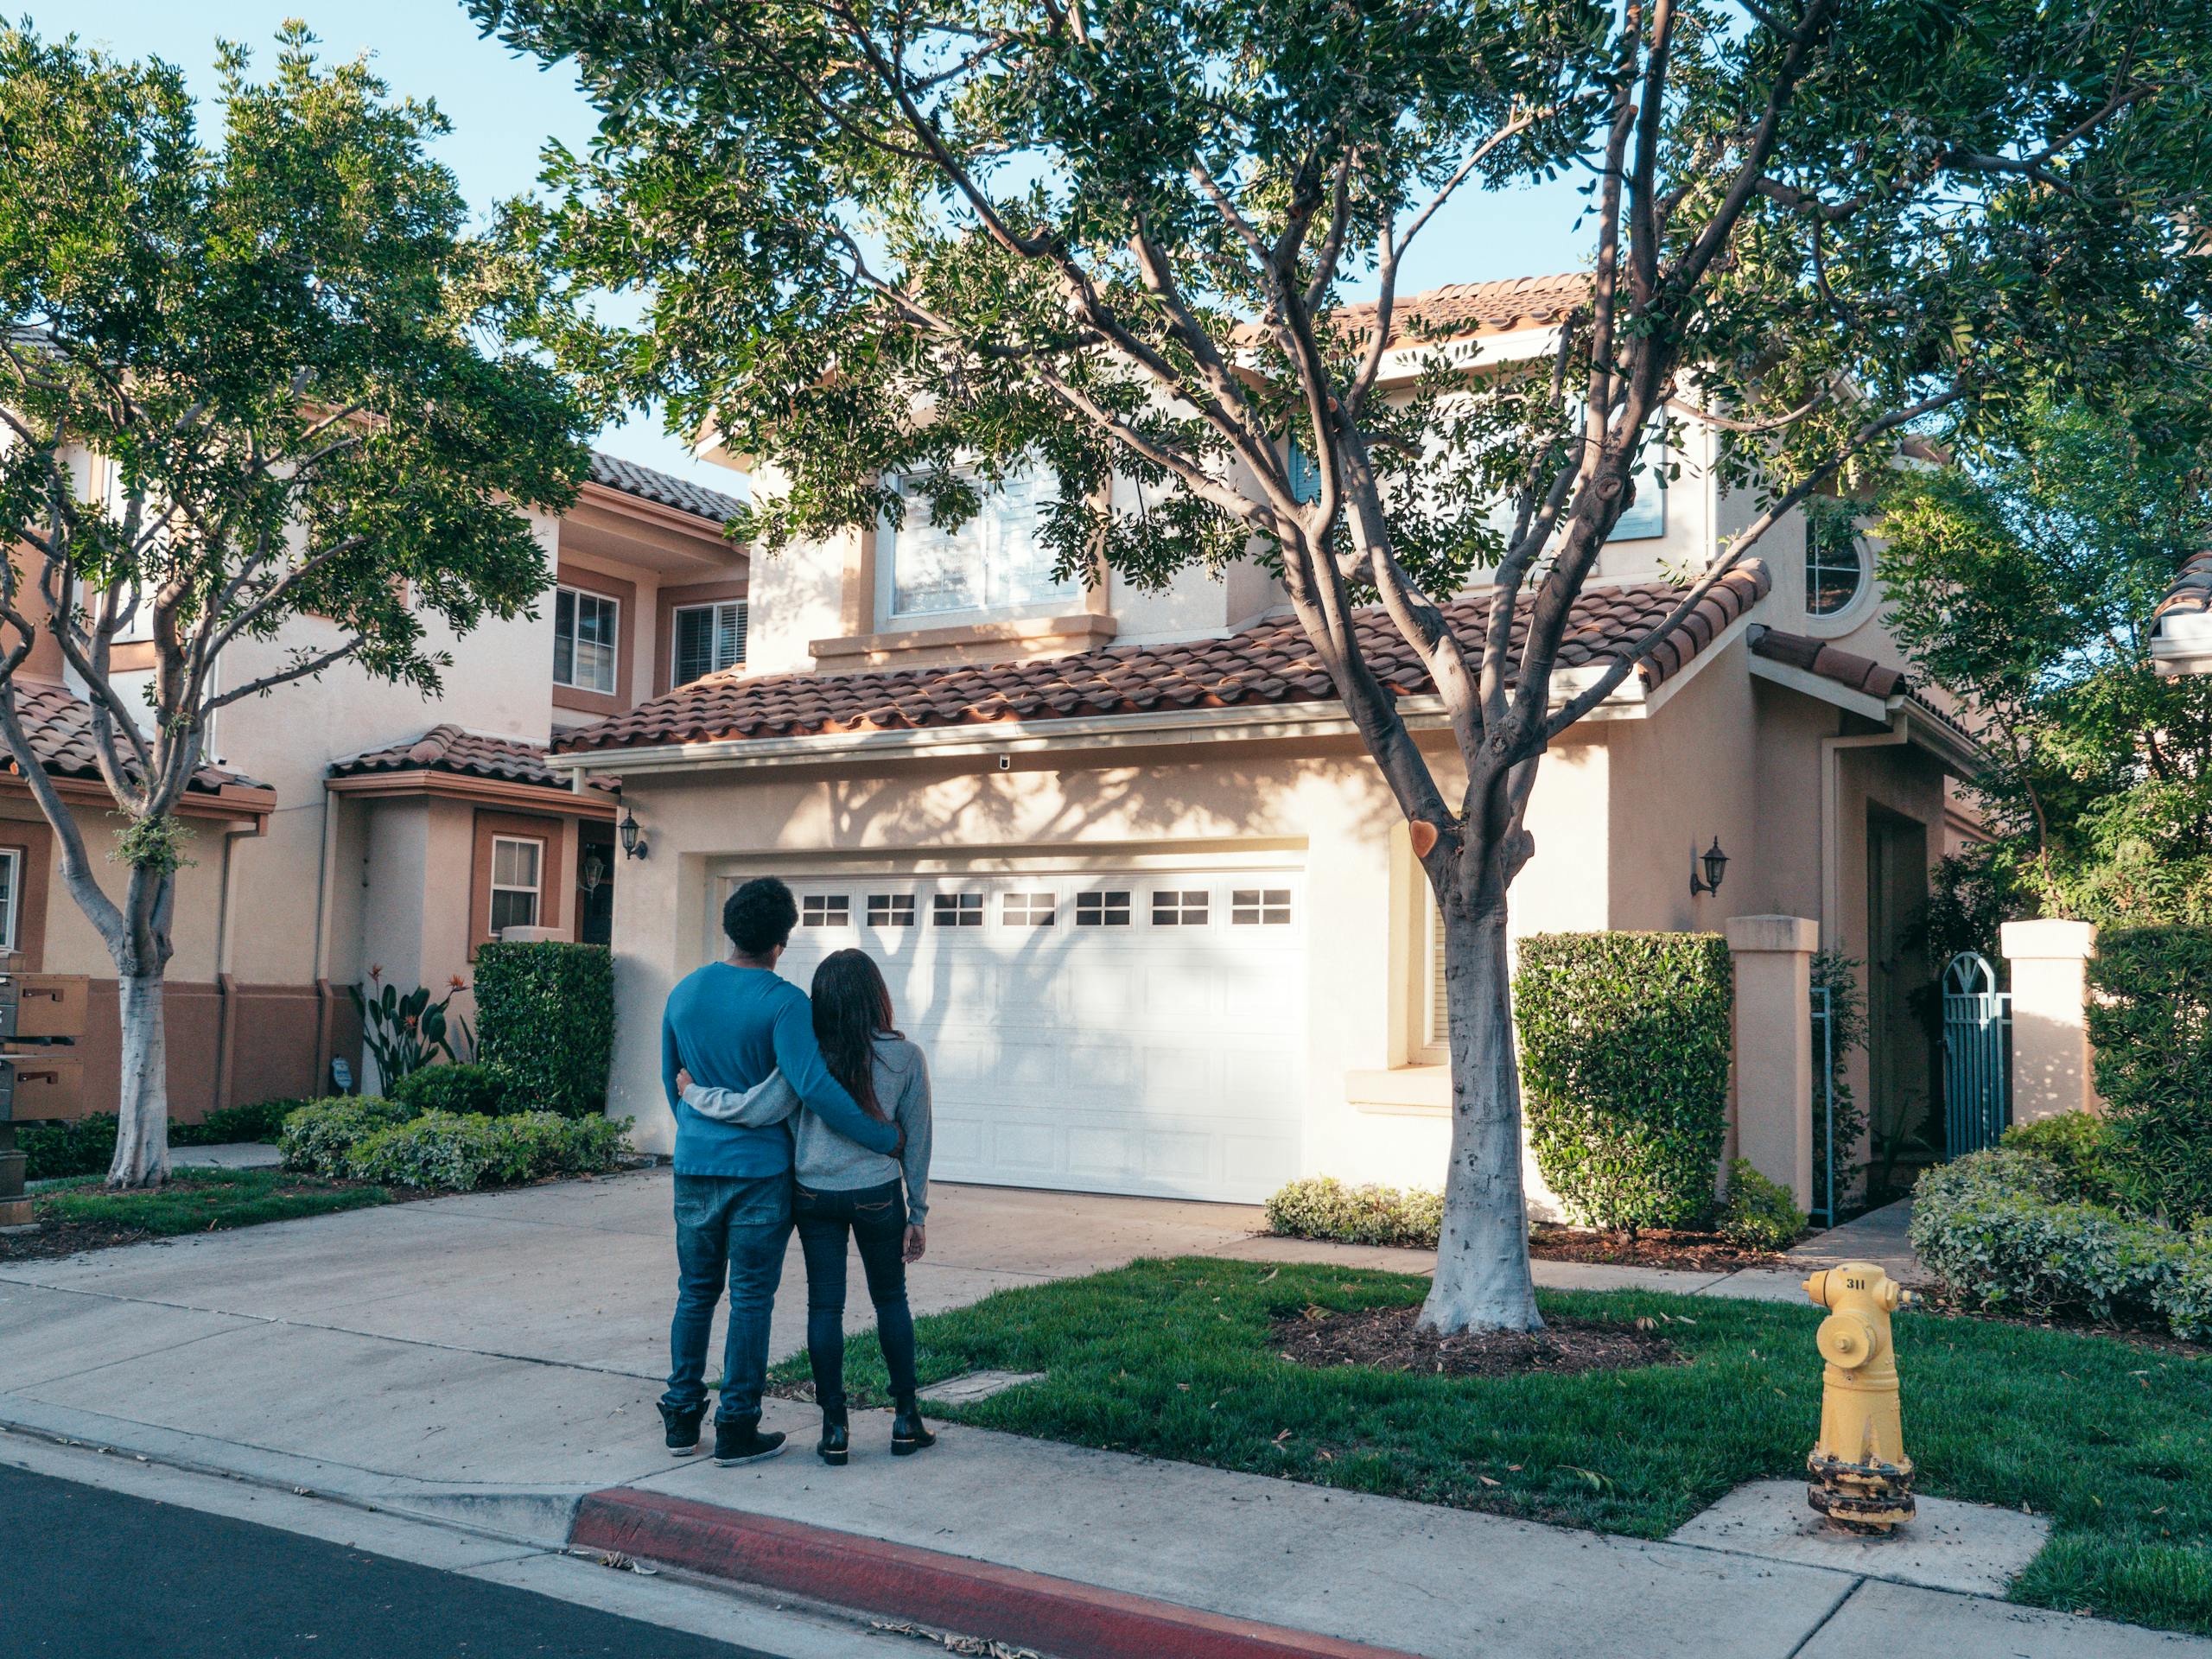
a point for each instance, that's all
(1862, 1480)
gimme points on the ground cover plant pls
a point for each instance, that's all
(1178, 1359)
(194, 1201)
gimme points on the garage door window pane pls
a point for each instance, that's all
(1102, 909)
(957, 910)
(1184, 907)
(891, 910)
(1259, 906)
(1027, 910)
(825, 910)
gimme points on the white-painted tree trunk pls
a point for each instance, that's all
(142, 1139)
(1482, 1281)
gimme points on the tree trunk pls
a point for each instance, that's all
(142, 1137)
(1482, 1261)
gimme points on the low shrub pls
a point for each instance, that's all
(471, 1088)
(459, 1151)
(1625, 1053)
(2083, 1148)
(261, 1119)
(319, 1137)
(545, 1017)
(55, 1150)
(2184, 1299)
(1326, 1208)
(2150, 1021)
(1758, 1214)
(1997, 1228)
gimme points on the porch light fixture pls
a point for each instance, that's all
(1716, 866)
(633, 839)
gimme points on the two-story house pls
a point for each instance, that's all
(345, 826)
(1136, 886)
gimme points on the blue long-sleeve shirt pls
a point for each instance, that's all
(729, 1028)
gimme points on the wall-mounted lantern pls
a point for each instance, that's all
(1716, 866)
(633, 838)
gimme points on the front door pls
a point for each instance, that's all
(1899, 1054)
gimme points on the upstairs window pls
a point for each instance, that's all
(1836, 564)
(11, 885)
(708, 639)
(997, 561)
(583, 640)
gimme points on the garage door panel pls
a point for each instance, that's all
(1081, 1035)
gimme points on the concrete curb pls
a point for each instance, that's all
(976, 1599)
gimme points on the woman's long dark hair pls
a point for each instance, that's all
(852, 1009)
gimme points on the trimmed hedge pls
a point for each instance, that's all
(320, 1137)
(1326, 1208)
(1759, 1214)
(2151, 1021)
(1999, 1230)
(545, 1017)
(2084, 1150)
(87, 1146)
(468, 1088)
(459, 1151)
(1624, 1052)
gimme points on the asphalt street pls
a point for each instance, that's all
(87, 1574)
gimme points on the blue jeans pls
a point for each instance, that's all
(876, 1218)
(736, 1225)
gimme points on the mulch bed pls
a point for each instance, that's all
(1384, 1339)
(1652, 1248)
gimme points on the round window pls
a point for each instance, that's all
(1835, 565)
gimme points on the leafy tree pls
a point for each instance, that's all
(941, 241)
(2023, 580)
(241, 385)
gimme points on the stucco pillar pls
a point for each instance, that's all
(2051, 1071)
(1773, 959)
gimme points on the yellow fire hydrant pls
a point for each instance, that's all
(1861, 1479)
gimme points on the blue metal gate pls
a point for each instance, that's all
(1977, 1055)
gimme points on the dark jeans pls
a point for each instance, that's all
(736, 1226)
(876, 1218)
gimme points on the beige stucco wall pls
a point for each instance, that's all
(74, 945)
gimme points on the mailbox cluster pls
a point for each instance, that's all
(42, 1074)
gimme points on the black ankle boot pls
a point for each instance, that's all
(835, 1444)
(739, 1439)
(907, 1434)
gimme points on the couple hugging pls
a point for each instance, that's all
(789, 1107)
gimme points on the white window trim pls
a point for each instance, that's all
(676, 633)
(1430, 1045)
(11, 927)
(615, 673)
(498, 887)
(890, 619)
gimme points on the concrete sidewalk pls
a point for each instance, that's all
(489, 1360)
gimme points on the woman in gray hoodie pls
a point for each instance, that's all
(841, 1188)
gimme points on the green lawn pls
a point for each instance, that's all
(200, 1200)
(1173, 1358)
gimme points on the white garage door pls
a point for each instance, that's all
(1140, 1031)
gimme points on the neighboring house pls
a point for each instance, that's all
(346, 825)
(1136, 887)
(2181, 634)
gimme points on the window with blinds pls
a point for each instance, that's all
(708, 639)
(1437, 1029)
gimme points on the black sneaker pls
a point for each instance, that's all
(682, 1429)
(739, 1439)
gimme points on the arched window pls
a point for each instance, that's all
(1836, 564)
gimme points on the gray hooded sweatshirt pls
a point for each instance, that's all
(822, 1158)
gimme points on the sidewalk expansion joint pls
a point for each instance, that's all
(1821, 1624)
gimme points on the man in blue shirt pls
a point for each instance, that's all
(730, 1024)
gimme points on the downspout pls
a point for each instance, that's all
(1831, 830)
(324, 1002)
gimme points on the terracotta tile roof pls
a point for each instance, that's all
(60, 726)
(2191, 594)
(670, 491)
(467, 755)
(1267, 664)
(1475, 307)
(1845, 668)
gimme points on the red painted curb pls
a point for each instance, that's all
(1057, 1615)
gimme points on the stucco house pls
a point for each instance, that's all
(344, 824)
(2181, 630)
(1139, 891)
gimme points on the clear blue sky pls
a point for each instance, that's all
(503, 108)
